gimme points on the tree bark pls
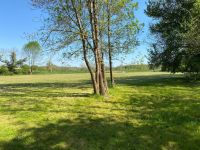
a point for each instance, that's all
(90, 9)
(104, 75)
(97, 49)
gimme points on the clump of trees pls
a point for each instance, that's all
(177, 33)
(12, 66)
(93, 29)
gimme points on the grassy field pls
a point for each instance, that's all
(155, 111)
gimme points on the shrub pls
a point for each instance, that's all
(4, 70)
(25, 69)
(35, 67)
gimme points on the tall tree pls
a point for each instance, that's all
(170, 15)
(32, 50)
(80, 27)
(121, 28)
(73, 23)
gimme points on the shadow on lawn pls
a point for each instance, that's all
(43, 89)
(85, 133)
(168, 122)
(80, 84)
(157, 80)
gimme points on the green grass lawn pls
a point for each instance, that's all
(57, 112)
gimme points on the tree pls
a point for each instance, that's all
(73, 23)
(13, 63)
(120, 27)
(191, 61)
(192, 36)
(50, 65)
(79, 27)
(170, 47)
(32, 50)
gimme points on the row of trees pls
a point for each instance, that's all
(177, 33)
(94, 29)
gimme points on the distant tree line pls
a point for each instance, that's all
(50, 68)
(134, 68)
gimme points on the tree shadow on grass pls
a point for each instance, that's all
(88, 133)
(44, 89)
(157, 80)
(80, 84)
(41, 97)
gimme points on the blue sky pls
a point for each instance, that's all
(18, 17)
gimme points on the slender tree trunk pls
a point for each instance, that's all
(95, 89)
(31, 70)
(102, 65)
(30, 65)
(90, 10)
(109, 45)
(104, 74)
(84, 37)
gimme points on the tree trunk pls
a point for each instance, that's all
(95, 89)
(109, 45)
(102, 65)
(90, 10)
(31, 70)
(104, 74)
(83, 38)
(97, 81)
(97, 50)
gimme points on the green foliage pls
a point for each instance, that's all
(25, 69)
(13, 64)
(4, 70)
(32, 47)
(124, 26)
(173, 20)
(35, 67)
(133, 68)
(32, 50)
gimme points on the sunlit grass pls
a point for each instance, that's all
(144, 111)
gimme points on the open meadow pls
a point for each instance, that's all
(147, 110)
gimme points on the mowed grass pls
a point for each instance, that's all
(57, 112)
